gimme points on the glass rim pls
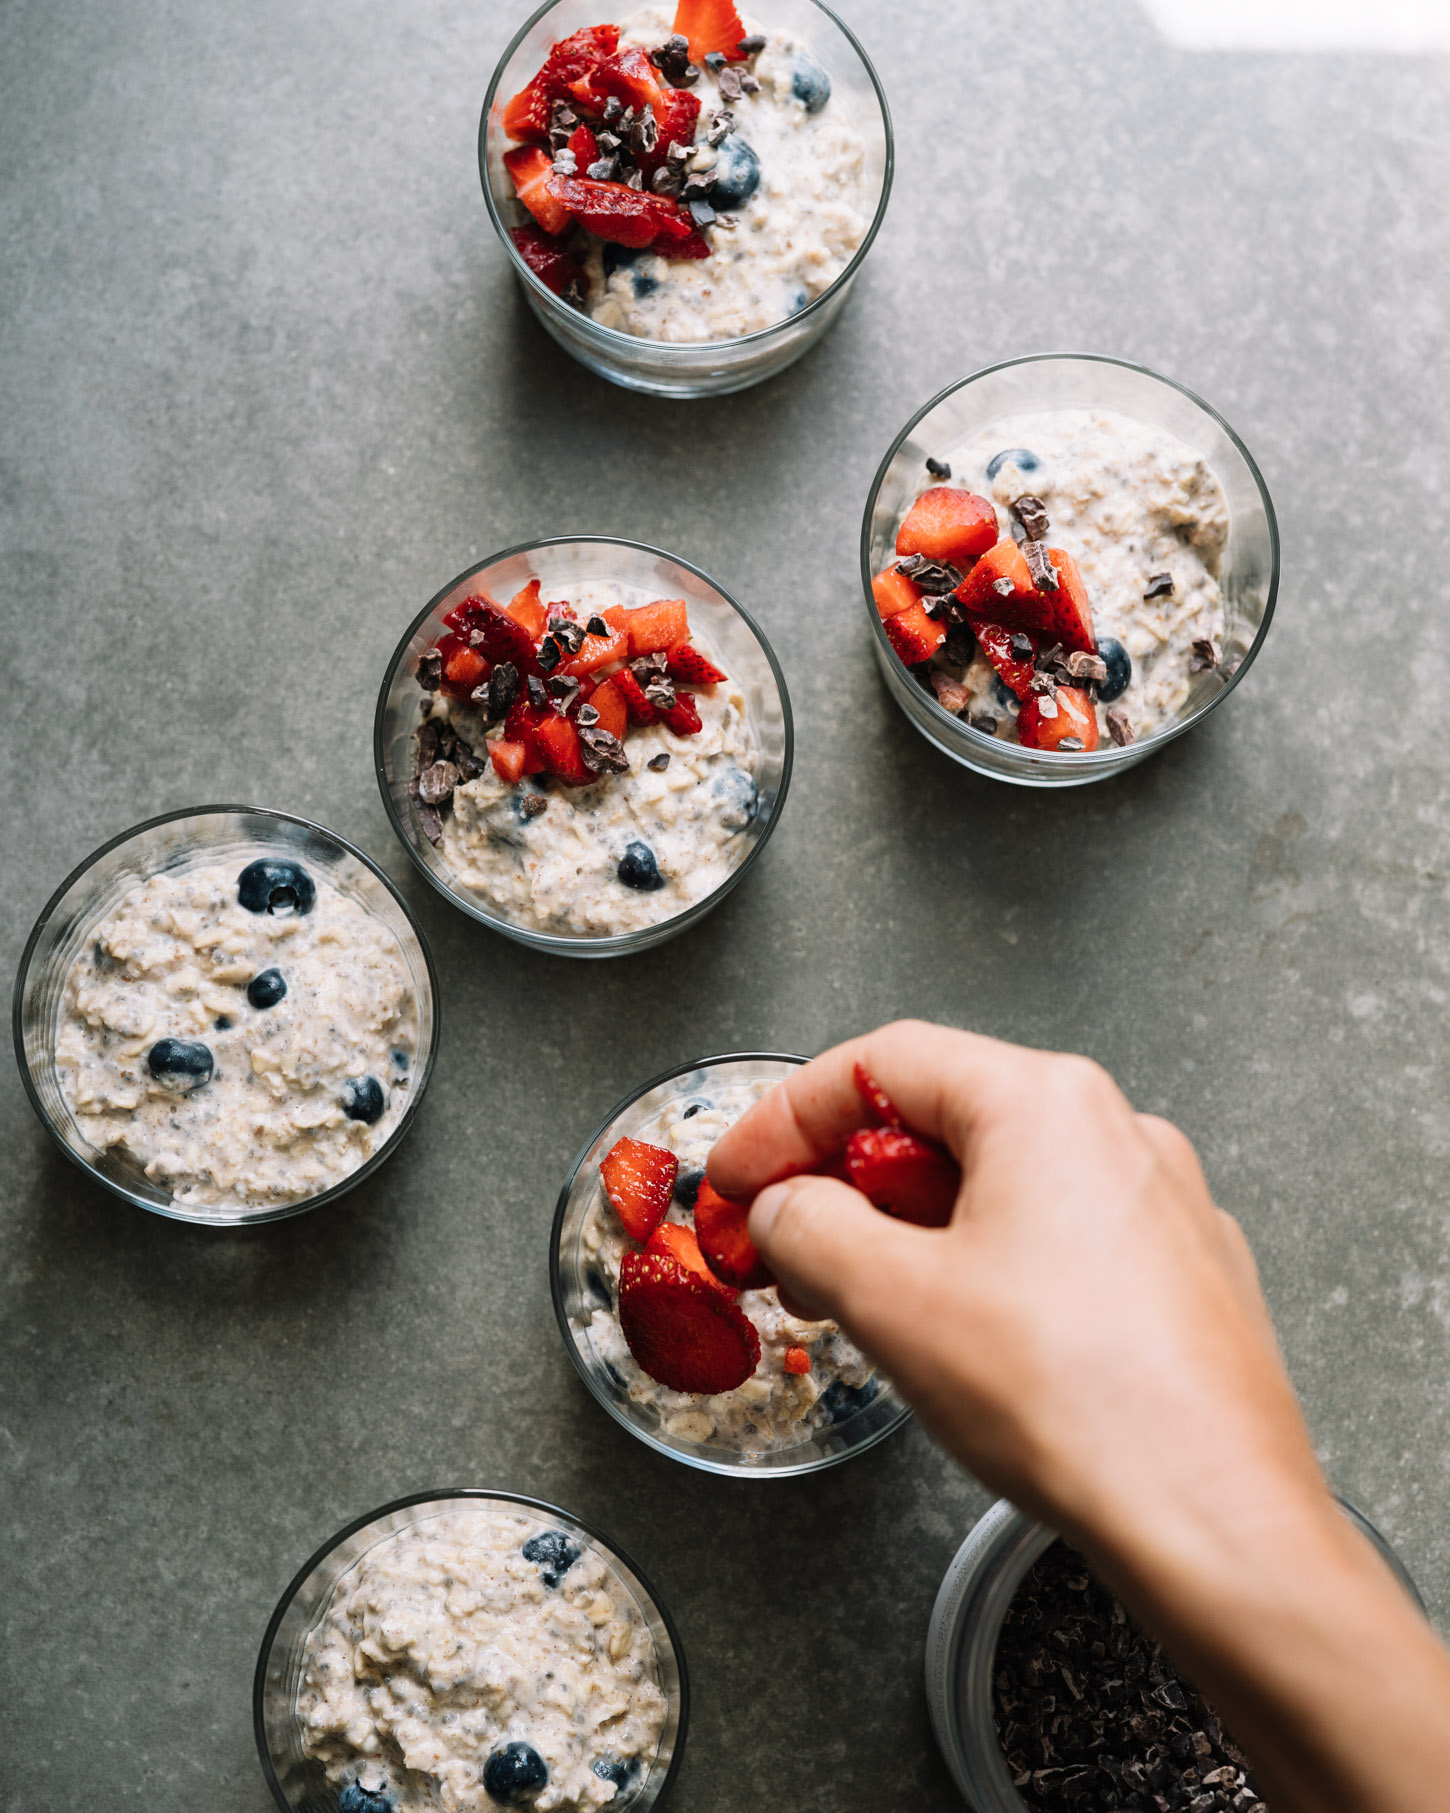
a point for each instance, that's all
(558, 943)
(439, 1496)
(281, 1211)
(613, 336)
(701, 1464)
(1114, 753)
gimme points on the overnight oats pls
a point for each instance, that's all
(243, 1031)
(476, 1658)
(686, 176)
(582, 764)
(1057, 581)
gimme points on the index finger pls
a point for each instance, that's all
(938, 1078)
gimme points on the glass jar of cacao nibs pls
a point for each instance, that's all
(1045, 1696)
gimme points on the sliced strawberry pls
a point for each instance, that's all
(639, 708)
(521, 727)
(688, 664)
(996, 643)
(797, 1361)
(630, 75)
(507, 759)
(585, 148)
(710, 25)
(531, 167)
(725, 1241)
(468, 615)
(1070, 612)
(527, 115)
(948, 525)
(550, 263)
(657, 626)
(911, 1178)
(526, 610)
(894, 593)
(673, 1240)
(676, 120)
(692, 245)
(639, 1180)
(608, 700)
(599, 651)
(914, 635)
(506, 639)
(682, 717)
(876, 1098)
(999, 588)
(557, 741)
(686, 1334)
(463, 669)
(619, 214)
(1043, 722)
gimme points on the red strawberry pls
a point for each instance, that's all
(710, 25)
(525, 609)
(894, 593)
(797, 1360)
(557, 741)
(639, 1180)
(949, 525)
(673, 1240)
(506, 639)
(1016, 670)
(531, 167)
(686, 1334)
(585, 147)
(689, 665)
(508, 760)
(657, 626)
(614, 211)
(463, 669)
(527, 115)
(521, 727)
(608, 701)
(599, 651)
(693, 245)
(676, 121)
(1042, 722)
(999, 588)
(725, 1241)
(914, 635)
(1070, 613)
(682, 717)
(911, 1178)
(876, 1098)
(549, 262)
(630, 75)
(639, 708)
(468, 615)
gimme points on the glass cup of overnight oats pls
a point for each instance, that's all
(584, 743)
(806, 1397)
(226, 1016)
(1068, 561)
(511, 1653)
(686, 192)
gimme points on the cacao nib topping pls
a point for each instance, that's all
(1047, 705)
(586, 715)
(603, 170)
(1004, 588)
(938, 468)
(1205, 655)
(602, 751)
(1031, 512)
(1021, 646)
(436, 784)
(1070, 743)
(503, 689)
(533, 804)
(985, 722)
(752, 45)
(1083, 666)
(1120, 726)
(659, 762)
(935, 576)
(661, 694)
(678, 151)
(596, 626)
(431, 823)
(564, 117)
(569, 635)
(476, 638)
(951, 694)
(715, 61)
(1044, 573)
(666, 180)
(550, 654)
(566, 164)
(730, 88)
(563, 687)
(538, 696)
(672, 59)
(644, 134)
(700, 211)
(750, 84)
(1160, 585)
(646, 667)
(720, 126)
(430, 670)
(959, 646)
(613, 109)
(635, 179)
(429, 739)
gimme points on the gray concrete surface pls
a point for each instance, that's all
(267, 385)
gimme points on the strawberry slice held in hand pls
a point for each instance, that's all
(915, 636)
(686, 1334)
(555, 268)
(689, 665)
(639, 1180)
(1049, 722)
(948, 525)
(710, 26)
(673, 1240)
(894, 593)
(720, 1228)
(531, 169)
(876, 1098)
(908, 1177)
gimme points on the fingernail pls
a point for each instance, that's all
(764, 1210)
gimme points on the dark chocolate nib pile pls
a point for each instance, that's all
(1091, 1714)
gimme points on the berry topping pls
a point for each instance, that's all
(628, 217)
(353, 1797)
(180, 1064)
(1000, 588)
(557, 741)
(1012, 654)
(682, 716)
(797, 1360)
(914, 635)
(363, 1100)
(530, 168)
(1064, 720)
(526, 608)
(720, 1227)
(735, 175)
(841, 1401)
(275, 886)
(508, 760)
(690, 666)
(739, 798)
(1012, 456)
(638, 869)
(549, 262)
(639, 1180)
(514, 1775)
(687, 1185)
(657, 627)
(1119, 664)
(639, 708)
(621, 1770)
(911, 1178)
(710, 26)
(876, 1098)
(686, 1334)
(1070, 613)
(267, 989)
(555, 1551)
(894, 592)
(630, 75)
(809, 83)
(948, 525)
(527, 115)
(673, 1240)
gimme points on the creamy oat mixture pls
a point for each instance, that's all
(479, 1650)
(773, 1409)
(163, 1051)
(1127, 501)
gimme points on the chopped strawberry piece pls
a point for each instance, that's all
(682, 717)
(526, 610)
(996, 643)
(557, 741)
(506, 639)
(639, 1180)
(1043, 722)
(688, 664)
(657, 626)
(914, 635)
(894, 593)
(1069, 608)
(463, 669)
(686, 1334)
(630, 75)
(948, 525)
(725, 1240)
(710, 25)
(585, 148)
(693, 245)
(521, 727)
(507, 759)
(549, 262)
(598, 651)
(614, 211)
(530, 167)
(639, 708)
(876, 1098)
(608, 700)
(912, 1178)
(797, 1361)
(676, 120)
(673, 1240)
(999, 588)
(468, 615)
(527, 115)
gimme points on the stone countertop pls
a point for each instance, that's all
(267, 384)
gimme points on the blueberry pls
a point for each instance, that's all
(810, 83)
(555, 1551)
(1016, 456)
(739, 797)
(1120, 669)
(798, 302)
(223, 1022)
(598, 1288)
(616, 258)
(355, 1798)
(363, 1099)
(400, 1061)
(182, 1064)
(840, 1400)
(687, 1185)
(698, 1106)
(638, 869)
(514, 1774)
(274, 885)
(644, 285)
(267, 989)
(736, 173)
(616, 1377)
(621, 1770)
(1002, 693)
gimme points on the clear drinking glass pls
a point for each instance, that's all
(565, 561)
(702, 368)
(185, 840)
(575, 1300)
(1249, 580)
(298, 1782)
(961, 1644)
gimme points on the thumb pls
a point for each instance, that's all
(832, 1252)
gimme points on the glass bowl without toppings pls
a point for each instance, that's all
(1249, 580)
(187, 840)
(297, 1781)
(687, 368)
(733, 638)
(576, 1295)
(961, 1643)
